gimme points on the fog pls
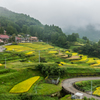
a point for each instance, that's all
(66, 14)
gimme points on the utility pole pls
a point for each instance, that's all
(47, 41)
(91, 87)
(39, 56)
(15, 38)
(5, 62)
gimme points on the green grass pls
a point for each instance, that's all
(25, 96)
(47, 89)
(86, 85)
(72, 47)
(42, 88)
(66, 97)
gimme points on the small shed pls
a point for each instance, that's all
(78, 95)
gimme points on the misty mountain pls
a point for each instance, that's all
(17, 17)
(89, 31)
(15, 23)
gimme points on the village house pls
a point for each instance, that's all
(4, 38)
(18, 39)
(33, 39)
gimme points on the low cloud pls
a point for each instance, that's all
(63, 13)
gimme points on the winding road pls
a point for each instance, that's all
(67, 85)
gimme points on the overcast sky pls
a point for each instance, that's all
(63, 13)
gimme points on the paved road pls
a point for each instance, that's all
(2, 48)
(68, 85)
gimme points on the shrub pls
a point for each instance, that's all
(85, 98)
(69, 55)
(42, 59)
(50, 70)
(14, 43)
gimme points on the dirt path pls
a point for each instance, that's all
(68, 86)
(74, 58)
(2, 48)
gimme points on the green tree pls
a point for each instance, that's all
(76, 35)
(84, 37)
(24, 29)
(1, 30)
(11, 30)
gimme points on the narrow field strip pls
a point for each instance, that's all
(24, 86)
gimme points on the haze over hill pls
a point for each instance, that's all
(89, 31)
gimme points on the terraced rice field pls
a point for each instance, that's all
(25, 85)
(51, 54)
(97, 91)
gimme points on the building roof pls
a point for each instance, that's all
(4, 37)
(18, 38)
(33, 37)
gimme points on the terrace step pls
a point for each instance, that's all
(3, 71)
(7, 75)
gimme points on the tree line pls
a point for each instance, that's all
(89, 49)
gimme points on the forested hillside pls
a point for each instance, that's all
(23, 24)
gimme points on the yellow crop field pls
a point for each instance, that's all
(17, 48)
(62, 62)
(0, 64)
(91, 60)
(52, 52)
(29, 53)
(28, 47)
(98, 63)
(97, 91)
(37, 46)
(81, 55)
(74, 54)
(24, 86)
(59, 64)
(84, 58)
(67, 52)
